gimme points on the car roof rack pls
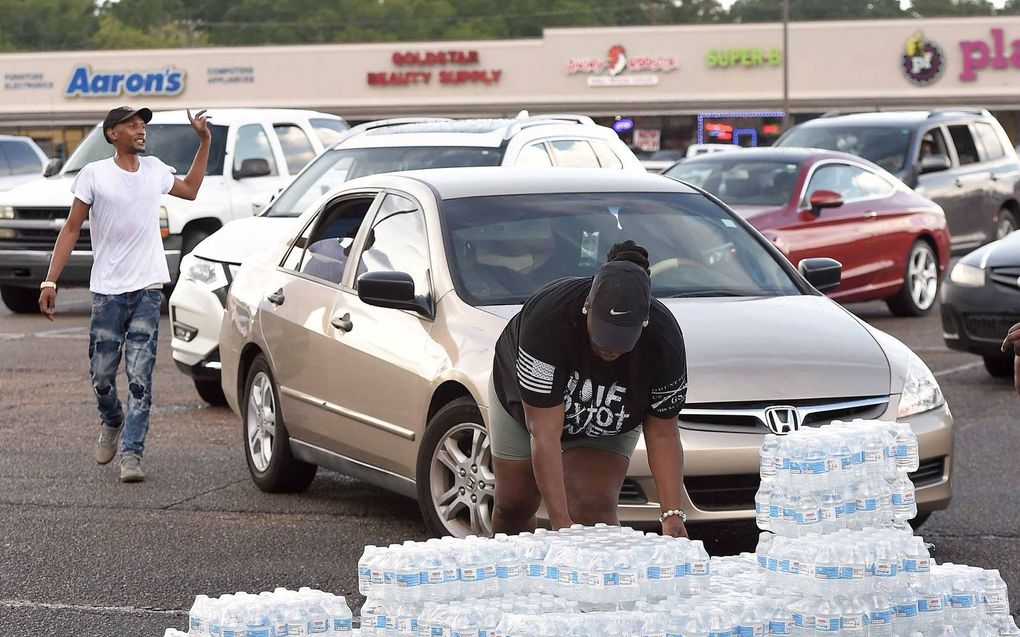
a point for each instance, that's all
(386, 123)
(524, 120)
(958, 110)
(846, 111)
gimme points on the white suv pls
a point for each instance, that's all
(547, 141)
(21, 160)
(254, 152)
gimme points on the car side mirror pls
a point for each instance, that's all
(935, 163)
(252, 167)
(53, 167)
(391, 289)
(824, 199)
(822, 273)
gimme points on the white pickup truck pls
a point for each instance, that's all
(254, 153)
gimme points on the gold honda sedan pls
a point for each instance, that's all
(364, 342)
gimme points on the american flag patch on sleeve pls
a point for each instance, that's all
(533, 374)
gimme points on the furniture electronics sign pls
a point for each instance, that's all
(620, 68)
(456, 67)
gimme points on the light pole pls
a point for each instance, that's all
(786, 65)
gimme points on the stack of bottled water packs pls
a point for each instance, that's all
(271, 614)
(836, 558)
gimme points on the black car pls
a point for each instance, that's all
(961, 159)
(981, 301)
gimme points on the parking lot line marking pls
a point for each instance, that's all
(65, 332)
(124, 610)
(12, 336)
(958, 368)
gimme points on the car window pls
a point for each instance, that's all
(297, 149)
(5, 167)
(328, 130)
(253, 143)
(989, 141)
(534, 156)
(338, 165)
(503, 248)
(741, 182)
(397, 243)
(966, 149)
(606, 156)
(851, 182)
(933, 142)
(21, 159)
(323, 249)
(174, 145)
(887, 146)
(574, 153)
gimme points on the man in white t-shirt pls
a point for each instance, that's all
(120, 197)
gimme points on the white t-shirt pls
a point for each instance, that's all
(127, 249)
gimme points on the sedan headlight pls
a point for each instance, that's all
(6, 212)
(204, 272)
(921, 392)
(967, 275)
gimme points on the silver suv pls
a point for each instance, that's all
(960, 159)
(547, 141)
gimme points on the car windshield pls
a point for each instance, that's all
(504, 248)
(336, 166)
(885, 145)
(174, 144)
(741, 182)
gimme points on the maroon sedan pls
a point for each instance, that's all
(893, 243)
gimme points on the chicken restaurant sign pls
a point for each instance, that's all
(618, 68)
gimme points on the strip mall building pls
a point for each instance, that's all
(662, 87)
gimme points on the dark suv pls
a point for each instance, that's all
(961, 159)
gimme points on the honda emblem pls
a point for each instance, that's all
(782, 419)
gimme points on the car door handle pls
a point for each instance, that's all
(343, 323)
(277, 298)
(993, 177)
(959, 183)
(871, 214)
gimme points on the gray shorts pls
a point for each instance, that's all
(510, 440)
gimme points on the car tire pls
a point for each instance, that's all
(192, 239)
(210, 391)
(1007, 223)
(920, 519)
(20, 300)
(921, 283)
(999, 366)
(271, 463)
(455, 482)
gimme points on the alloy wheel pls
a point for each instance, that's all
(461, 480)
(260, 421)
(1006, 226)
(922, 277)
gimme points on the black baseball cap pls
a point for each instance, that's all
(618, 305)
(121, 113)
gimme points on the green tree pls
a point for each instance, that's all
(114, 34)
(43, 25)
(804, 10)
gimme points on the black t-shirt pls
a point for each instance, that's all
(544, 358)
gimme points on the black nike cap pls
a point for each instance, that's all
(121, 113)
(621, 293)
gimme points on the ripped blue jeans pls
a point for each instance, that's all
(125, 324)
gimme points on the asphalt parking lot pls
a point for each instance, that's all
(82, 554)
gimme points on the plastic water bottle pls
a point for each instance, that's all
(768, 457)
(373, 618)
(198, 617)
(907, 456)
(994, 594)
(904, 504)
(701, 569)
(881, 613)
(761, 505)
(233, 622)
(257, 622)
(831, 511)
(365, 569)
